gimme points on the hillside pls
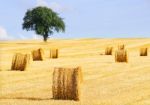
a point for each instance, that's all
(105, 82)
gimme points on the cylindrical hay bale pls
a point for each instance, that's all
(54, 53)
(20, 61)
(121, 47)
(37, 55)
(143, 51)
(121, 56)
(66, 83)
(108, 51)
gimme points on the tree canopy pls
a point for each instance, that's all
(44, 21)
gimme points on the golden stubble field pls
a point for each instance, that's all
(105, 82)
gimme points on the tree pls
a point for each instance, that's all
(43, 21)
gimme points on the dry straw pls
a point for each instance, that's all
(121, 56)
(121, 47)
(81, 75)
(143, 51)
(54, 53)
(37, 55)
(20, 61)
(66, 83)
(108, 51)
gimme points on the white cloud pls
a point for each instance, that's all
(58, 8)
(41, 3)
(3, 32)
(53, 5)
(4, 35)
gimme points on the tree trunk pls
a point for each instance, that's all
(45, 37)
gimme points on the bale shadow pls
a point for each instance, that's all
(15, 70)
(26, 98)
(101, 53)
(32, 99)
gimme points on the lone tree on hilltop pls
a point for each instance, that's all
(43, 21)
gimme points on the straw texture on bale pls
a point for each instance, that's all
(37, 55)
(66, 83)
(143, 51)
(80, 74)
(121, 56)
(108, 51)
(121, 47)
(54, 53)
(20, 61)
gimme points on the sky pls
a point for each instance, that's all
(83, 18)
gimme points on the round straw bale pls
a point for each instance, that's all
(19, 62)
(143, 51)
(121, 56)
(37, 54)
(121, 47)
(54, 53)
(108, 51)
(66, 83)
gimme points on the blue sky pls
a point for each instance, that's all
(83, 18)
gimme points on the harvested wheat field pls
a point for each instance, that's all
(105, 82)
